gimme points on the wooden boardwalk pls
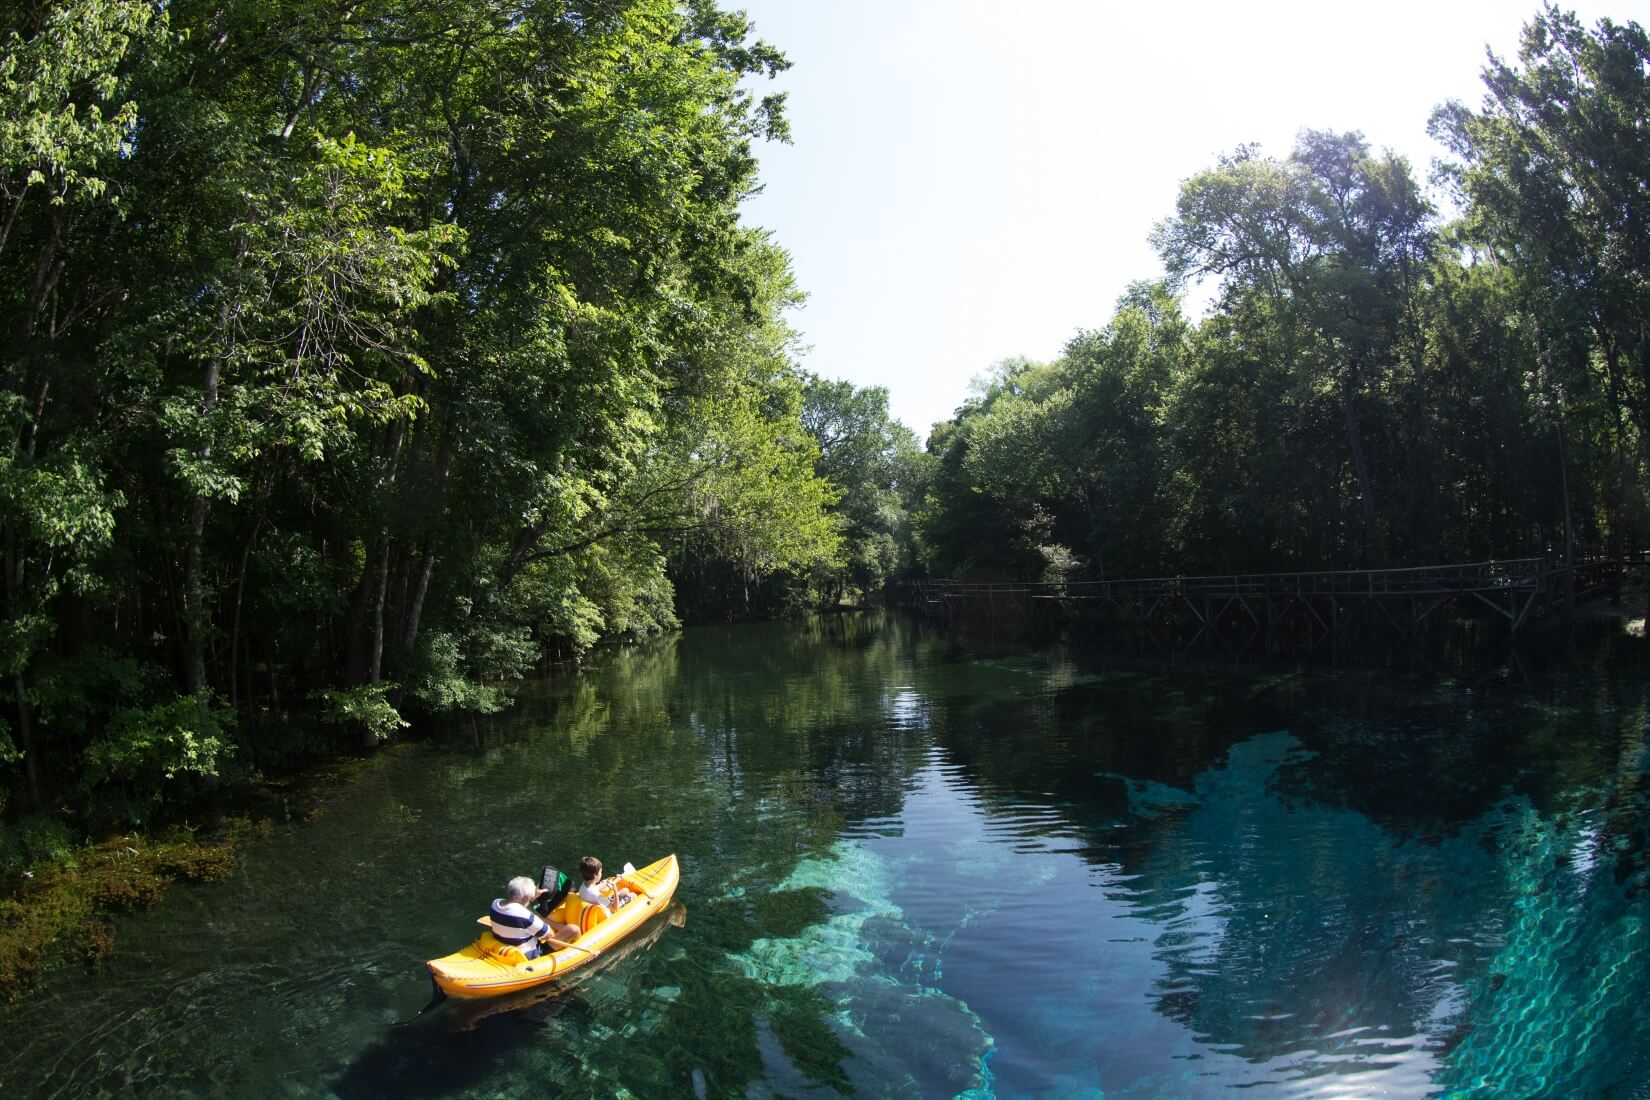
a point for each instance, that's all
(1512, 588)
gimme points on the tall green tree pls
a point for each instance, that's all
(1080, 441)
(1336, 240)
(1554, 174)
(874, 461)
(66, 117)
(364, 355)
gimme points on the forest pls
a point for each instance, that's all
(363, 357)
(1383, 378)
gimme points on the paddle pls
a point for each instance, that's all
(439, 996)
(488, 921)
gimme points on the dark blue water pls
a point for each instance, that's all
(915, 866)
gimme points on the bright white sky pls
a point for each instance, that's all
(971, 181)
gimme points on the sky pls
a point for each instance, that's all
(972, 181)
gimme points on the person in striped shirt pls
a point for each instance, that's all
(515, 924)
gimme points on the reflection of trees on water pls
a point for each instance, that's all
(1343, 897)
(768, 742)
(1298, 888)
(1306, 891)
(1297, 930)
(1291, 887)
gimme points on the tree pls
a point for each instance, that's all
(65, 118)
(1336, 240)
(873, 461)
(1076, 444)
(1553, 170)
(364, 355)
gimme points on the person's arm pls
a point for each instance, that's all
(591, 892)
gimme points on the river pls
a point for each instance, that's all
(918, 865)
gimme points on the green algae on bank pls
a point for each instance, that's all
(60, 912)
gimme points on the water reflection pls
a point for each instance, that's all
(921, 868)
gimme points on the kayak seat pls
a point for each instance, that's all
(591, 916)
(580, 913)
(494, 948)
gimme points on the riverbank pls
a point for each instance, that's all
(60, 910)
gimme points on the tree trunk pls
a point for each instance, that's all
(355, 653)
(1093, 515)
(421, 587)
(25, 742)
(194, 594)
(235, 629)
(415, 606)
(1569, 523)
(25, 724)
(375, 661)
(1360, 468)
(366, 642)
(395, 604)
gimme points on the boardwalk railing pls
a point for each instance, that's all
(1511, 587)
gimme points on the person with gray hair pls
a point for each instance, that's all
(514, 923)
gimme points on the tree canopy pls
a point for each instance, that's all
(361, 355)
(1373, 384)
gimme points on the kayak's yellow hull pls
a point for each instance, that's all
(488, 968)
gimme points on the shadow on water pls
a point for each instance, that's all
(457, 1045)
(427, 1059)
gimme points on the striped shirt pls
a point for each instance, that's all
(515, 924)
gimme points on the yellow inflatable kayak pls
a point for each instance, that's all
(488, 968)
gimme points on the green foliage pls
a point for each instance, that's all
(146, 750)
(1551, 173)
(442, 683)
(877, 469)
(1372, 386)
(360, 347)
(34, 839)
(61, 114)
(1070, 455)
(365, 708)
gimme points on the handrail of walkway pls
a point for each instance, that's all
(1495, 575)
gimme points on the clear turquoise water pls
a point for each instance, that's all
(915, 866)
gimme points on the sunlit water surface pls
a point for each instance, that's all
(914, 866)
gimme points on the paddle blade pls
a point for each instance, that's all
(439, 996)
